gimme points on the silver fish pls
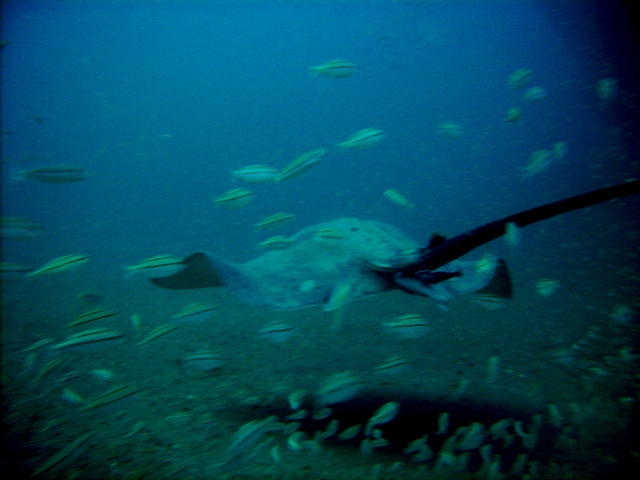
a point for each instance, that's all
(301, 164)
(56, 174)
(366, 138)
(336, 69)
(61, 264)
(17, 228)
(256, 174)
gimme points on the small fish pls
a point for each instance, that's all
(115, 394)
(179, 417)
(329, 234)
(195, 312)
(539, 161)
(92, 316)
(322, 414)
(369, 137)
(274, 221)
(47, 369)
(256, 174)
(158, 332)
(103, 374)
(247, 436)
(514, 115)
(135, 429)
(451, 130)
(13, 272)
(165, 135)
(295, 441)
(90, 338)
(60, 265)
(339, 388)
(159, 266)
(55, 174)
(397, 198)
(54, 464)
(39, 344)
(18, 228)
(559, 150)
(51, 424)
(411, 325)
(607, 89)
(236, 198)
(336, 69)
(296, 399)
(512, 234)
(205, 360)
(276, 332)
(350, 433)
(535, 94)
(279, 242)
(384, 414)
(392, 366)
(301, 164)
(68, 395)
(136, 322)
(489, 301)
(28, 157)
(520, 78)
(332, 428)
(547, 287)
(622, 314)
(91, 298)
(337, 304)
(329, 238)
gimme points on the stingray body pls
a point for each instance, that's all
(318, 266)
(365, 257)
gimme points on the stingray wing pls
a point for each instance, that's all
(198, 272)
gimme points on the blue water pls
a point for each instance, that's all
(161, 100)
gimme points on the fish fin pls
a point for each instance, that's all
(436, 240)
(199, 272)
(500, 285)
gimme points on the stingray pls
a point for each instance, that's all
(365, 257)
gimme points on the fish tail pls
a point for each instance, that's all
(16, 176)
(128, 272)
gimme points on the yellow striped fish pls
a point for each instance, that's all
(205, 360)
(62, 458)
(411, 325)
(238, 197)
(113, 395)
(92, 315)
(397, 198)
(89, 338)
(366, 138)
(195, 312)
(274, 221)
(336, 69)
(56, 174)
(337, 303)
(159, 266)
(255, 174)
(451, 130)
(158, 332)
(61, 264)
(301, 164)
(279, 242)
